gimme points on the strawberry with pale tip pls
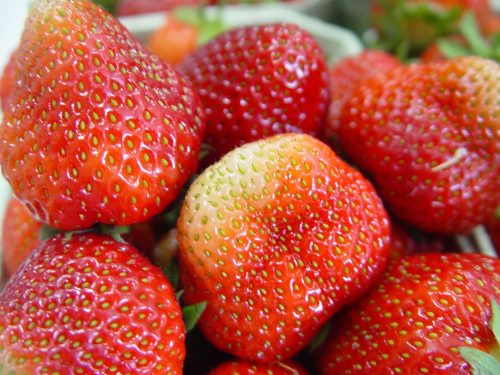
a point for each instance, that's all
(97, 129)
(248, 368)
(276, 237)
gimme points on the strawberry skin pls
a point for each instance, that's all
(428, 136)
(413, 322)
(90, 305)
(247, 368)
(258, 81)
(276, 237)
(347, 74)
(98, 129)
(20, 235)
(7, 82)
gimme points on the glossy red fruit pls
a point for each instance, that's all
(276, 237)
(90, 305)
(248, 368)
(428, 136)
(7, 82)
(20, 235)
(257, 81)
(346, 75)
(414, 321)
(98, 129)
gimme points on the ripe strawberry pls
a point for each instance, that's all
(98, 129)
(88, 305)
(7, 82)
(276, 237)
(247, 368)
(414, 322)
(175, 40)
(428, 135)
(20, 235)
(346, 75)
(257, 81)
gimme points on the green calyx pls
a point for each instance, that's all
(483, 363)
(208, 25)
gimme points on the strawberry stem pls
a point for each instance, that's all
(465, 244)
(483, 241)
(459, 154)
(287, 368)
(115, 231)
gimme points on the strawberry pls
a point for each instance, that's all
(276, 237)
(175, 40)
(98, 129)
(347, 74)
(428, 136)
(417, 320)
(247, 368)
(256, 81)
(89, 304)
(20, 235)
(407, 241)
(7, 82)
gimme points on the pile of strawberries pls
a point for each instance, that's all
(254, 188)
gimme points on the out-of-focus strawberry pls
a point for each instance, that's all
(418, 319)
(276, 237)
(256, 81)
(98, 129)
(7, 82)
(247, 368)
(90, 305)
(428, 137)
(20, 235)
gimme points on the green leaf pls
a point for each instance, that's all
(47, 232)
(171, 270)
(115, 231)
(320, 337)
(192, 313)
(470, 30)
(481, 362)
(451, 49)
(179, 294)
(108, 5)
(495, 320)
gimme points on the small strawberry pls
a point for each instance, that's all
(276, 237)
(346, 75)
(247, 368)
(428, 136)
(89, 304)
(98, 129)
(20, 235)
(418, 319)
(256, 81)
(7, 82)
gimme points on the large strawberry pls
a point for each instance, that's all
(429, 137)
(20, 235)
(346, 75)
(276, 237)
(248, 368)
(7, 82)
(90, 305)
(97, 129)
(419, 318)
(256, 81)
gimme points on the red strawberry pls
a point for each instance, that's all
(98, 129)
(257, 81)
(428, 135)
(417, 318)
(7, 82)
(247, 368)
(276, 237)
(90, 305)
(405, 242)
(20, 235)
(347, 74)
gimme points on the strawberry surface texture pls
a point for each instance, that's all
(428, 136)
(276, 237)
(89, 305)
(257, 81)
(97, 129)
(415, 321)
